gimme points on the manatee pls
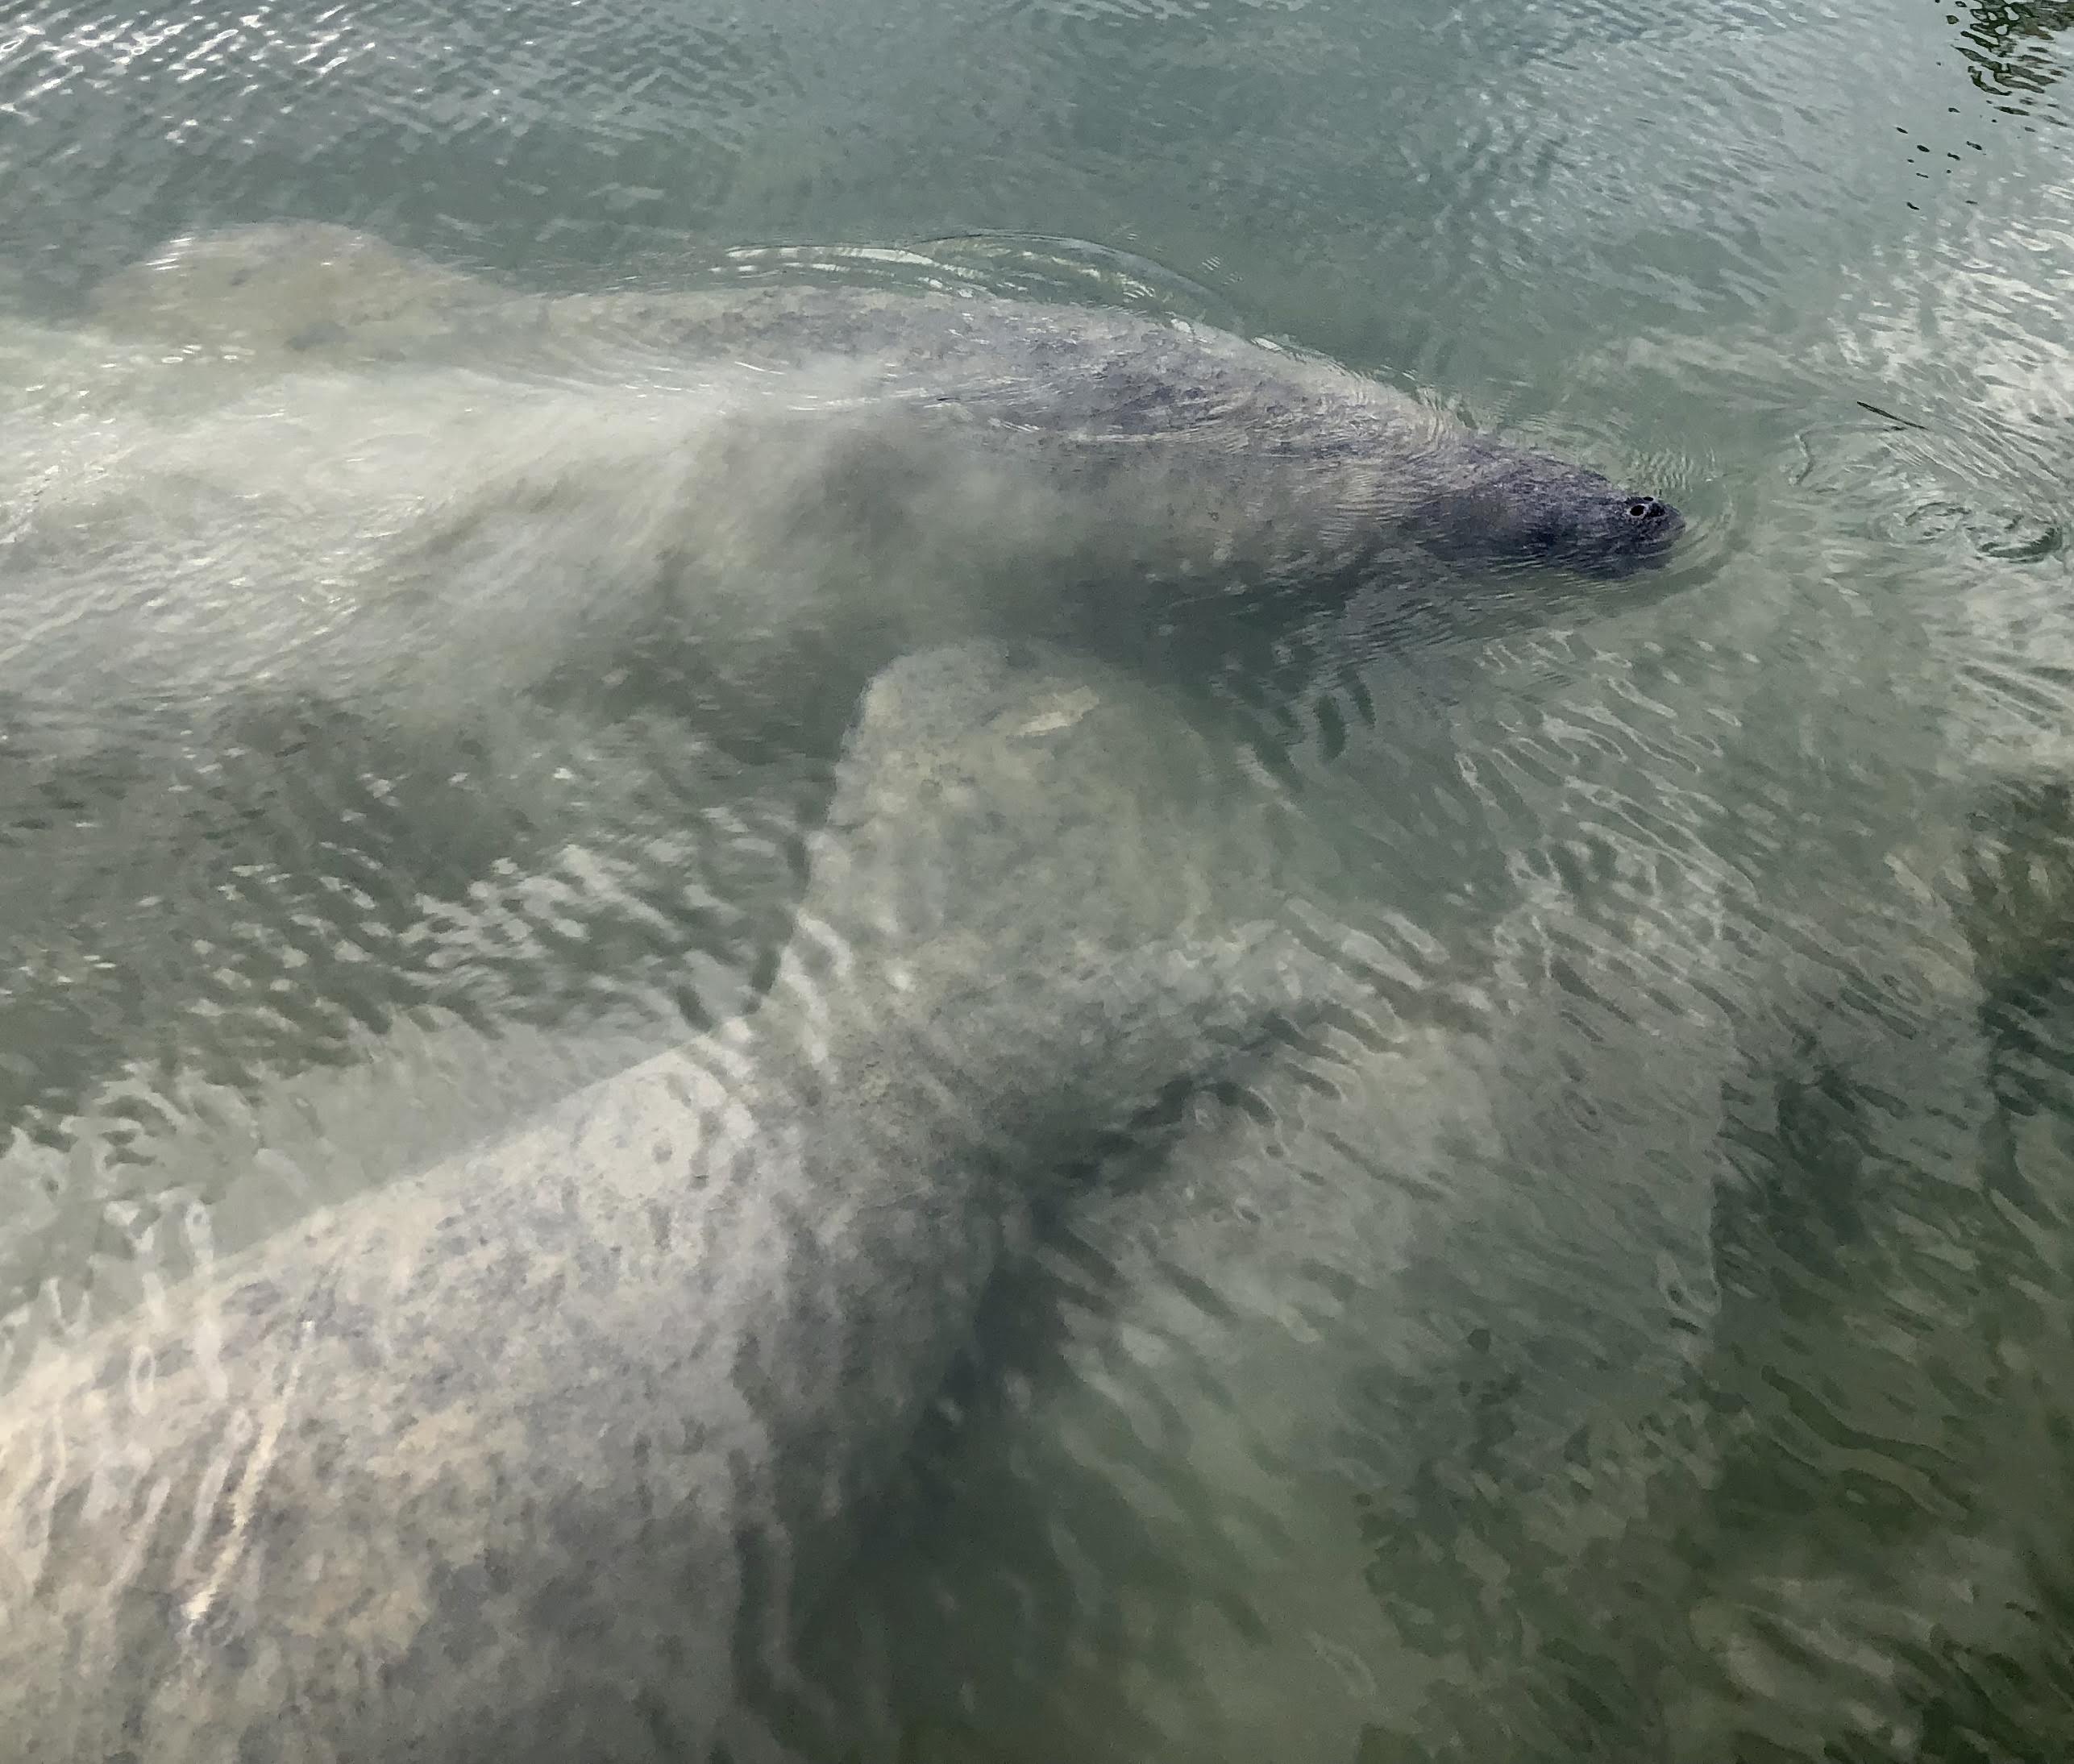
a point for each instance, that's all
(1084, 374)
(538, 1454)
(386, 477)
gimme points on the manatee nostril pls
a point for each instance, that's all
(1643, 507)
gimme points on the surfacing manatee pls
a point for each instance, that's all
(320, 467)
(319, 290)
(535, 1456)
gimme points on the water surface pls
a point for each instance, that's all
(1644, 1334)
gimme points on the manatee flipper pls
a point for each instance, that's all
(524, 1457)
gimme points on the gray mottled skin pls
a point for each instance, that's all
(529, 1458)
(291, 458)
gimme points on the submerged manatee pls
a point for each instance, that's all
(535, 1455)
(378, 474)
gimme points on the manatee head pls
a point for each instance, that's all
(1511, 508)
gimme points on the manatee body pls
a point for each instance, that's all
(361, 474)
(537, 1455)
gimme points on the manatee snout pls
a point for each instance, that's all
(1662, 522)
(1635, 531)
(1517, 508)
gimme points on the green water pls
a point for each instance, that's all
(1652, 1343)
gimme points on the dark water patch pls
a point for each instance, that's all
(2012, 50)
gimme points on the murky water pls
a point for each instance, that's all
(1636, 1324)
